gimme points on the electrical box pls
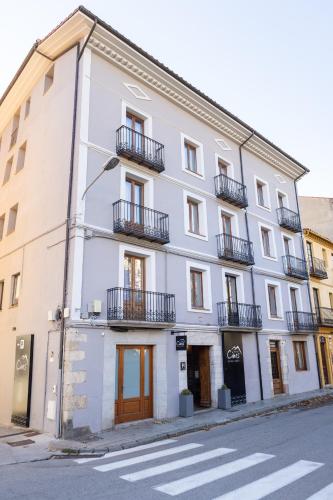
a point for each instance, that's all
(51, 316)
(66, 312)
(95, 307)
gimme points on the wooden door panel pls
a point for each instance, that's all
(204, 374)
(276, 369)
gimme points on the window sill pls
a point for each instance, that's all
(195, 235)
(275, 318)
(270, 258)
(268, 209)
(195, 174)
(200, 310)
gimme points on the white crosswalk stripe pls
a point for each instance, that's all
(127, 451)
(195, 480)
(177, 464)
(272, 482)
(324, 494)
(146, 458)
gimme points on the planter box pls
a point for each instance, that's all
(224, 399)
(186, 405)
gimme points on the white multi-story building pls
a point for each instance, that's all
(180, 267)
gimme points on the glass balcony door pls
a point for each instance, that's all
(133, 383)
(135, 140)
(134, 283)
(135, 196)
(233, 313)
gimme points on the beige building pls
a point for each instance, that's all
(319, 250)
(317, 213)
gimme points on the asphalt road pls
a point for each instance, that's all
(286, 455)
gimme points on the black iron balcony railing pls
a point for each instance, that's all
(141, 222)
(295, 267)
(317, 268)
(289, 219)
(235, 249)
(140, 148)
(127, 304)
(234, 314)
(325, 316)
(299, 321)
(230, 190)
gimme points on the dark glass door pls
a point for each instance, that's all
(22, 380)
(233, 366)
(233, 313)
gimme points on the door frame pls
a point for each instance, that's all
(276, 349)
(120, 417)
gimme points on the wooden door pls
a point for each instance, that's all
(276, 367)
(134, 283)
(204, 375)
(135, 137)
(134, 383)
(134, 215)
(324, 362)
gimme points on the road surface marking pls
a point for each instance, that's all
(324, 494)
(208, 476)
(146, 458)
(176, 464)
(127, 451)
(272, 482)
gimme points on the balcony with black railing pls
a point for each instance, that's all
(295, 267)
(127, 305)
(325, 316)
(317, 268)
(235, 249)
(229, 190)
(140, 148)
(236, 316)
(141, 222)
(289, 219)
(299, 321)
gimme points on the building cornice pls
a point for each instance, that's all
(120, 51)
(318, 238)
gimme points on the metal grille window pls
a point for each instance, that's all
(266, 242)
(16, 282)
(197, 289)
(272, 301)
(300, 356)
(193, 216)
(190, 157)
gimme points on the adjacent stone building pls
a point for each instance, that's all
(182, 266)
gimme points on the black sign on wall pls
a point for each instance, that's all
(233, 366)
(22, 380)
(181, 343)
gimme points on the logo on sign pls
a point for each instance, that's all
(234, 353)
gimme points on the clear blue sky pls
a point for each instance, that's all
(267, 61)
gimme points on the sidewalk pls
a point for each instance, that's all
(18, 445)
(134, 434)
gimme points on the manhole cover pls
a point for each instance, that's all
(32, 433)
(21, 443)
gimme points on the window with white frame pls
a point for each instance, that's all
(195, 219)
(137, 120)
(267, 242)
(300, 355)
(15, 291)
(199, 296)
(223, 167)
(294, 298)
(262, 193)
(282, 199)
(192, 156)
(274, 300)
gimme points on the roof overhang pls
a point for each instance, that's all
(116, 48)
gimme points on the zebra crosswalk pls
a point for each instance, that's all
(228, 466)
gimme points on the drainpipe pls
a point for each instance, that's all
(308, 280)
(251, 271)
(79, 54)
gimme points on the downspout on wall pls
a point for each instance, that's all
(251, 271)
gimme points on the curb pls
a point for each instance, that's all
(194, 428)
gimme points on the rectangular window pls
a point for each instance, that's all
(2, 226)
(193, 214)
(8, 171)
(21, 157)
(48, 80)
(12, 219)
(272, 301)
(260, 194)
(293, 299)
(281, 199)
(16, 281)
(331, 299)
(27, 107)
(316, 299)
(266, 242)
(2, 284)
(196, 289)
(15, 126)
(300, 356)
(286, 245)
(223, 167)
(190, 157)
(324, 254)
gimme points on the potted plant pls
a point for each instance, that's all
(186, 403)
(224, 398)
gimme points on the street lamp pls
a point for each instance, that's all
(111, 163)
